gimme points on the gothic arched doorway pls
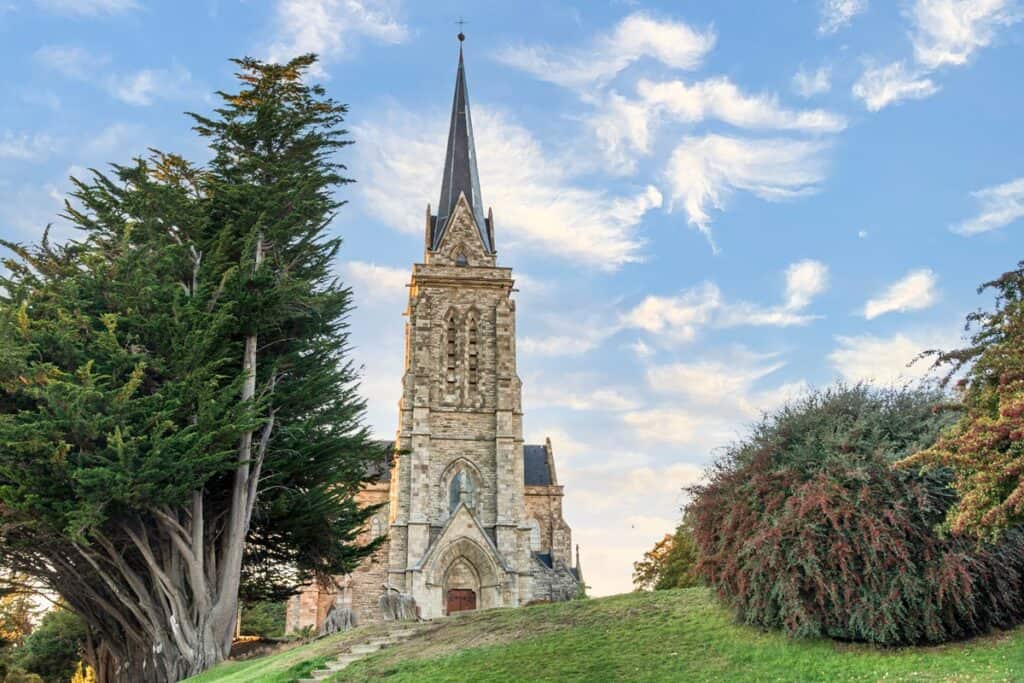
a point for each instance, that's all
(461, 586)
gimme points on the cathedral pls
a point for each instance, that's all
(472, 515)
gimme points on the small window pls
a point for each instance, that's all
(461, 260)
(460, 491)
(473, 360)
(534, 535)
(376, 527)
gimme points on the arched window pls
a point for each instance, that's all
(376, 527)
(460, 491)
(461, 259)
(534, 535)
(473, 353)
(450, 352)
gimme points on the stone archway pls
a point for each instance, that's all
(461, 588)
(464, 565)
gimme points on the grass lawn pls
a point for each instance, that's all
(665, 636)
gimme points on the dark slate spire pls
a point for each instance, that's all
(460, 174)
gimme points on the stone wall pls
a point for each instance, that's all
(544, 504)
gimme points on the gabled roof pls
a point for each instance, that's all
(460, 172)
(536, 466)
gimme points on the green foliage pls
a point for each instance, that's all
(807, 527)
(671, 563)
(265, 618)
(175, 385)
(986, 447)
(671, 636)
(54, 649)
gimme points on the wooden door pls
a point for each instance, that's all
(460, 599)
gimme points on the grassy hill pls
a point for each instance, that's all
(665, 636)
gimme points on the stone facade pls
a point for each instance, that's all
(471, 513)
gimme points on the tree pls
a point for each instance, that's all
(671, 563)
(985, 448)
(806, 526)
(179, 419)
(265, 619)
(54, 649)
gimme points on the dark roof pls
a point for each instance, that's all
(536, 470)
(381, 469)
(460, 174)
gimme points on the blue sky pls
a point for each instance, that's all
(709, 207)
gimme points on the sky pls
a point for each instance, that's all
(710, 208)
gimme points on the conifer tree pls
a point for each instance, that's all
(179, 419)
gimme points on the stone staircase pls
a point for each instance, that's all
(357, 652)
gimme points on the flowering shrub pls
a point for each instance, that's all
(807, 527)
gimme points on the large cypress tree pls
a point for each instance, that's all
(179, 421)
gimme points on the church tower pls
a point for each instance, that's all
(472, 516)
(458, 526)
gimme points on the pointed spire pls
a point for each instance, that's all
(460, 173)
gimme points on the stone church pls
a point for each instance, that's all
(472, 515)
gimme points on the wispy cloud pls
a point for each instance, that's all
(810, 83)
(886, 360)
(88, 8)
(944, 33)
(329, 27)
(836, 14)
(703, 171)
(71, 61)
(679, 318)
(539, 203)
(142, 87)
(880, 86)
(913, 292)
(639, 35)
(376, 283)
(26, 147)
(948, 32)
(1000, 206)
(721, 99)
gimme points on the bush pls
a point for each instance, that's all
(671, 563)
(265, 619)
(807, 527)
(54, 649)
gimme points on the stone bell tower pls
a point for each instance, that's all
(471, 517)
(458, 528)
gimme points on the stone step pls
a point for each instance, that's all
(406, 633)
(366, 649)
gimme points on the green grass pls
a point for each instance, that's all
(665, 636)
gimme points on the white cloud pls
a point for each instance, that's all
(538, 204)
(679, 318)
(836, 14)
(375, 282)
(943, 33)
(703, 171)
(71, 61)
(811, 83)
(913, 292)
(673, 43)
(641, 349)
(880, 86)
(139, 88)
(947, 32)
(885, 359)
(25, 147)
(557, 345)
(1000, 206)
(568, 393)
(719, 98)
(623, 130)
(88, 8)
(805, 280)
(142, 88)
(327, 27)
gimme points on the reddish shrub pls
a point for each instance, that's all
(806, 526)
